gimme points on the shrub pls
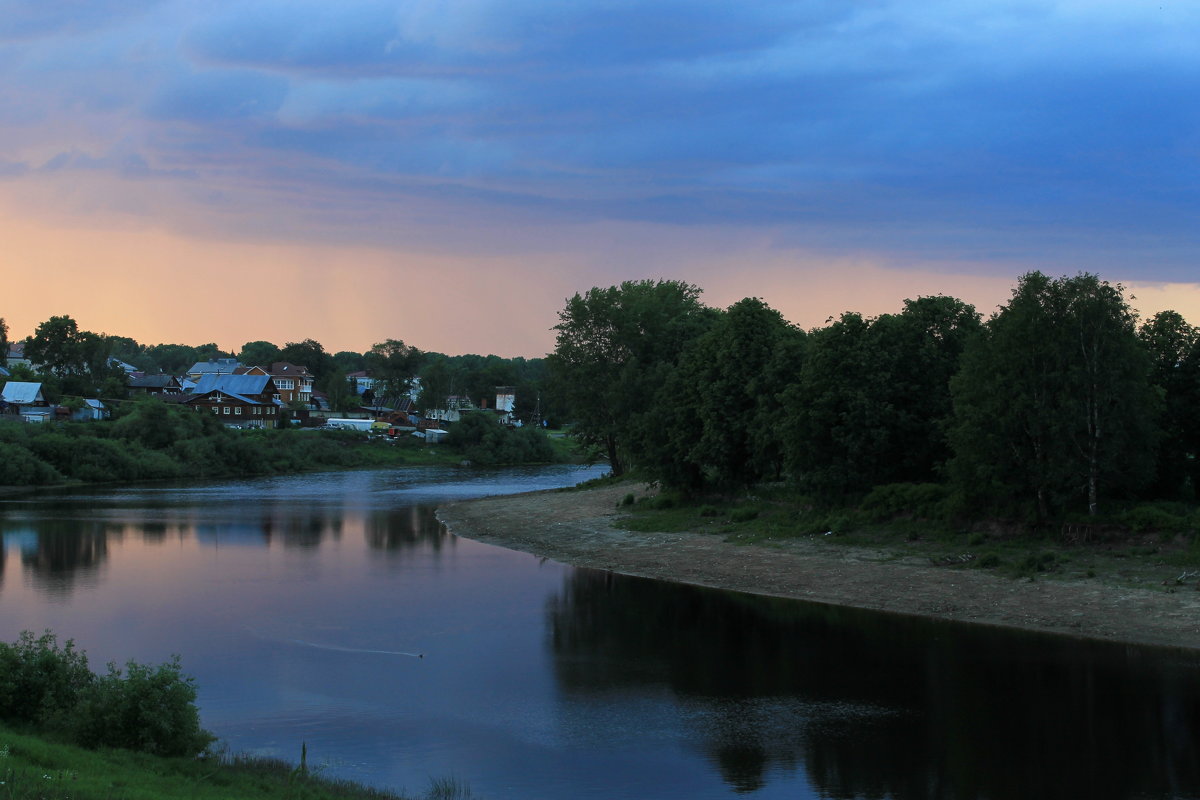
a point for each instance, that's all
(148, 709)
(743, 515)
(145, 708)
(921, 500)
(19, 467)
(1154, 517)
(40, 681)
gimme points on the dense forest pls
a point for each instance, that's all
(1059, 404)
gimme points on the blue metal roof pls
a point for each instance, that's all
(232, 384)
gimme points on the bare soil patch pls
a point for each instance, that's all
(576, 527)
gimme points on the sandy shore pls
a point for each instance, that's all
(577, 528)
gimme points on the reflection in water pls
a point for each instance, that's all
(398, 529)
(65, 551)
(877, 706)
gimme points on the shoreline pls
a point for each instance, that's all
(576, 528)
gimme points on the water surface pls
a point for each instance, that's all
(334, 610)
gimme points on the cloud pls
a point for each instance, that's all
(960, 133)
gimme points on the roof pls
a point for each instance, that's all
(283, 369)
(247, 400)
(21, 392)
(96, 404)
(4, 372)
(152, 382)
(214, 366)
(232, 384)
(16, 349)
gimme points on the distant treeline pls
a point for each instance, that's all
(1058, 404)
(153, 440)
(77, 363)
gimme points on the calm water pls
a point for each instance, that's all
(334, 610)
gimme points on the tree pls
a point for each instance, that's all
(58, 347)
(260, 353)
(720, 406)
(614, 349)
(873, 400)
(393, 365)
(348, 361)
(1174, 349)
(311, 354)
(1053, 403)
(3, 342)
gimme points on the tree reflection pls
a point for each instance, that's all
(873, 705)
(65, 551)
(398, 529)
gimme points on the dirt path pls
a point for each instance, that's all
(577, 528)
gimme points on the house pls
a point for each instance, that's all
(294, 383)
(92, 410)
(244, 400)
(125, 367)
(215, 366)
(154, 384)
(455, 405)
(16, 355)
(25, 398)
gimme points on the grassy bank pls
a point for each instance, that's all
(156, 441)
(1144, 545)
(36, 768)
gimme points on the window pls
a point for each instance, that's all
(285, 383)
(226, 409)
(216, 410)
(237, 410)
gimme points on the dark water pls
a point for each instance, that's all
(301, 606)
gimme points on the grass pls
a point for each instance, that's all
(1148, 545)
(33, 768)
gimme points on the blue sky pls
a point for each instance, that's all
(754, 149)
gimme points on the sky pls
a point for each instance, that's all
(448, 172)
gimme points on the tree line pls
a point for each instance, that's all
(78, 363)
(1060, 403)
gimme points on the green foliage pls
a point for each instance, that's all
(614, 350)
(19, 467)
(143, 708)
(871, 403)
(41, 682)
(260, 353)
(393, 364)
(920, 500)
(309, 353)
(1053, 407)
(1160, 517)
(484, 441)
(1174, 349)
(719, 408)
(148, 709)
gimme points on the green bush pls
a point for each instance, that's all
(19, 467)
(1155, 517)
(41, 681)
(743, 515)
(148, 709)
(145, 708)
(920, 500)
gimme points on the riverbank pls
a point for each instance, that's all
(578, 528)
(36, 768)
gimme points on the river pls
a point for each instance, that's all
(334, 610)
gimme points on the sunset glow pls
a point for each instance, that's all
(448, 175)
